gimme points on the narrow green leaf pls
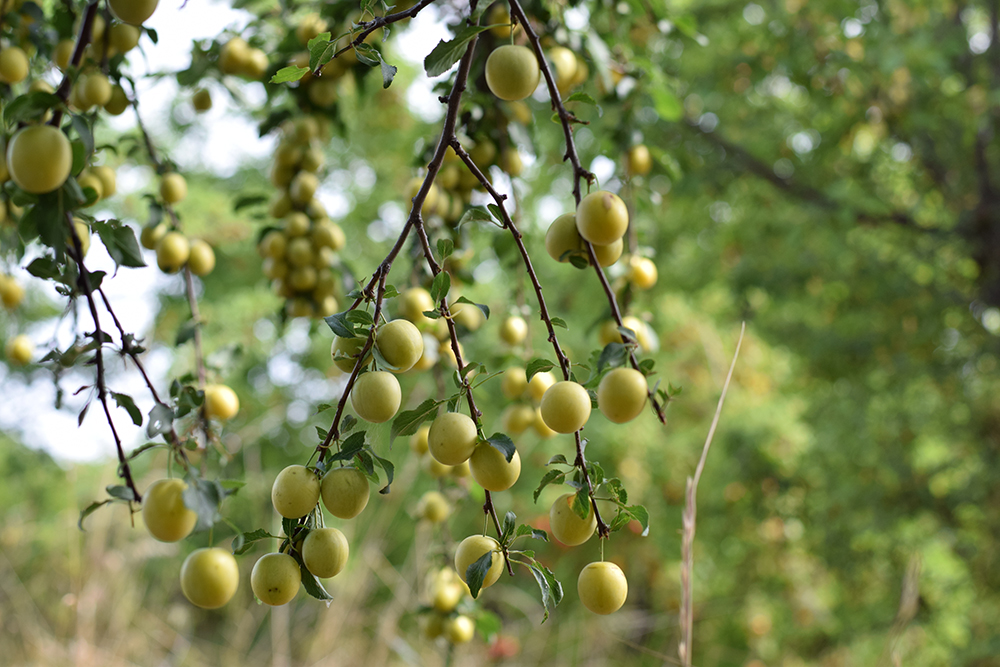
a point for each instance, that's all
(476, 573)
(581, 503)
(445, 248)
(441, 286)
(503, 444)
(120, 492)
(550, 477)
(244, 542)
(407, 423)
(340, 325)
(446, 54)
(290, 73)
(481, 306)
(537, 366)
(640, 514)
(161, 420)
(125, 401)
(559, 322)
(90, 509)
(389, 469)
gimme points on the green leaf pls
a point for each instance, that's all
(125, 401)
(509, 523)
(613, 354)
(83, 131)
(620, 521)
(476, 573)
(120, 242)
(247, 201)
(321, 50)
(310, 583)
(481, 306)
(667, 105)
(488, 624)
(323, 407)
(244, 542)
(445, 248)
(290, 73)
(503, 444)
(120, 492)
(640, 514)
(497, 213)
(185, 333)
(549, 478)
(549, 586)
(388, 72)
(441, 286)
(537, 366)
(581, 503)
(350, 447)
(446, 54)
(340, 325)
(28, 107)
(475, 214)
(161, 420)
(558, 458)
(45, 268)
(389, 469)
(559, 322)
(407, 423)
(617, 490)
(367, 54)
(586, 99)
(203, 497)
(90, 509)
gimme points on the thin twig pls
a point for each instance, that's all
(83, 38)
(369, 27)
(690, 514)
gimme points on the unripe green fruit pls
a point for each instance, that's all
(345, 492)
(119, 101)
(13, 65)
(96, 90)
(39, 158)
(602, 218)
(295, 492)
(452, 438)
(565, 407)
(512, 72)
(563, 237)
(400, 344)
(124, 37)
(621, 396)
(602, 587)
(201, 100)
(209, 577)
(275, 579)
(325, 552)
(166, 516)
(472, 549)
(376, 396)
(172, 252)
(567, 526)
(609, 254)
(491, 469)
(150, 236)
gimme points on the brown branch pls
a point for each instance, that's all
(690, 514)
(102, 391)
(83, 38)
(368, 27)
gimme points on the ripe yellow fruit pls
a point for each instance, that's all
(412, 303)
(468, 315)
(602, 587)
(132, 11)
(512, 72)
(565, 407)
(638, 161)
(472, 549)
(109, 182)
(150, 236)
(400, 344)
(63, 52)
(275, 579)
(166, 516)
(452, 438)
(564, 63)
(514, 330)
(435, 468)
(325, 552)
(303, 186)
(516, 419)
(173, 188)
(221, 402)
(201, 100)
(329, 235)
(642, 272)
(563, 237)
(376, 396)
(418, 441)
(201, 259)
(491, 470)
(39, 158)
(124, 37)
(345, 492)
(621, 396)
(172, 252)
(209, 578)
(20, 349)
(87, 179)
(447, 591)
(602, 217)
(539, 384)
(118, 102)
(541, 428)
(434, 507)
(95, 90)
(295, 492)
(497, 15)
(345, 352)
(511, 162)
(567, 526)
(13, 65)
(514, 383)
(609, 332)
(459, 629)
(609, 254)
(11, 292)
